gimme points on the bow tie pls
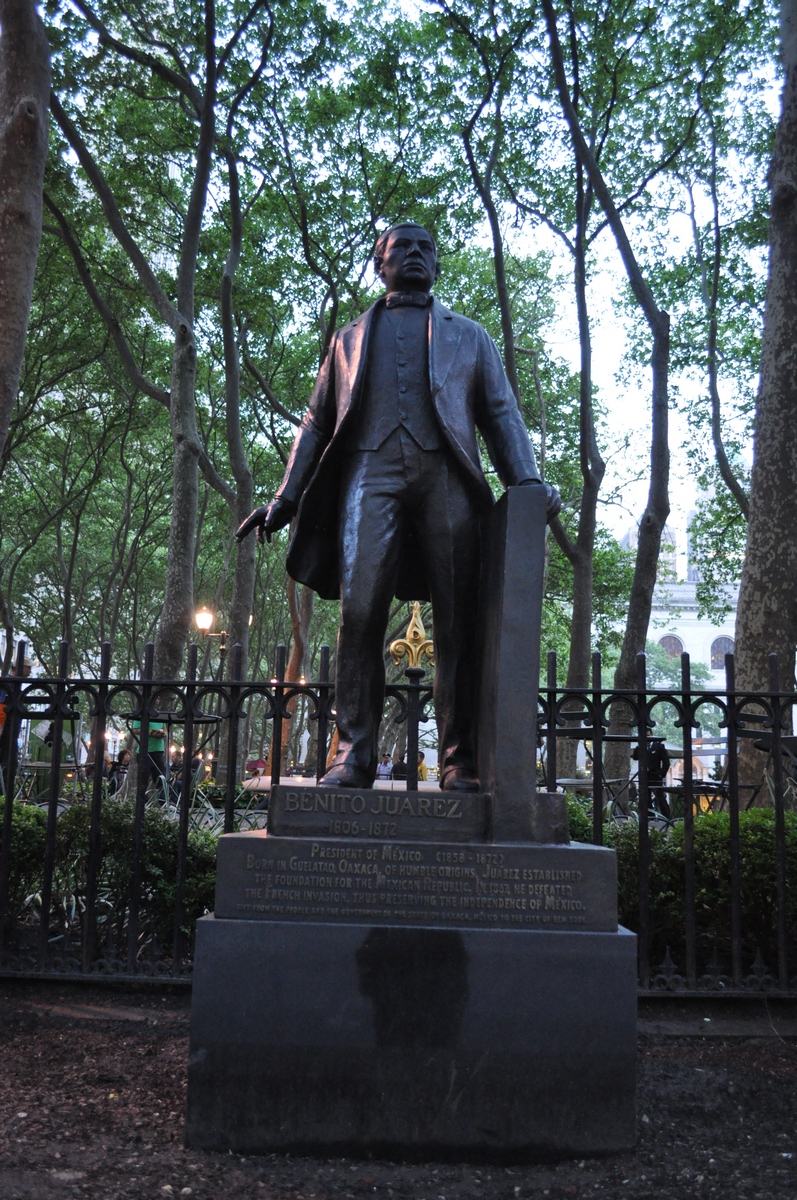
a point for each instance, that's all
(402, 299)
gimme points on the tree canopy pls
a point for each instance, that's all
(217, 177)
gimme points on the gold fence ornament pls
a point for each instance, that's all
(415, 644)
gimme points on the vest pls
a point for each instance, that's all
(396, 385)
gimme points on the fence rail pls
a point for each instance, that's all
(95, 885)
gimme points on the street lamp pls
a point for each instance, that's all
(203, 619)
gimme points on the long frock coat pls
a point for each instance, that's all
(470, 392)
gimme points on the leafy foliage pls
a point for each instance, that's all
(712, 885)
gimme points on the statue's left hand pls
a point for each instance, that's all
(554, 505)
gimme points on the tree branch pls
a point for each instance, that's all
(137, 378)
(165, 308)
(268, 391)
(655, 318)
(182, 83)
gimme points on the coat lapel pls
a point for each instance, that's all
(444, 337)
(352, 355)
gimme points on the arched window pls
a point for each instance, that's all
(719, 648)
(672, 644)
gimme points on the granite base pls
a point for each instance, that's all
(416, 1043)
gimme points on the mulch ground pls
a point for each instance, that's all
(92, 1092)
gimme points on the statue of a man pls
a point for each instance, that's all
(385, 482)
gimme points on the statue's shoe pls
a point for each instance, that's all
(345, 775)
(459, 779)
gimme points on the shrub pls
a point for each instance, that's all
(712, 885)
(158, 871)
(28, 828)
(579, 817)
(70, 876)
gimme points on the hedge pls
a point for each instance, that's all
(712, 883)
(159, 870)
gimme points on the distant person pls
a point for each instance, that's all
(118, 772)
(9, 726)
(383, 767)
(658, 766)
(423, 773)
(399, 768)
(153, 763)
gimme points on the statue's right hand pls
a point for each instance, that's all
(266, 520)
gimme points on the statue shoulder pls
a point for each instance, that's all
(462, 324)
(356, 322)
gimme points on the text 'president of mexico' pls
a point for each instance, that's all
(385, 481)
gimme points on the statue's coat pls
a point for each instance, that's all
(470, 392)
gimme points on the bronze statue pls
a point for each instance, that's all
(385, 481)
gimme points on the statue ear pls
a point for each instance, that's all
(438, 272)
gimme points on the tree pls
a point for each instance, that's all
(766, 619)
(24, 92)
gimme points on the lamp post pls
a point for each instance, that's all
(203, 619)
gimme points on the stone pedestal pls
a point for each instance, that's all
(412, 1042)
(410, 998)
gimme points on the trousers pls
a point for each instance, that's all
(397, 499)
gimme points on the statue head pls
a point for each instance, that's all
(405, 258)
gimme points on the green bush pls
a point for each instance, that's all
(158, 870)
(712, 885)
(579, 818)
(28, 827)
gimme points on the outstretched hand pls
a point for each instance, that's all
(267, 520)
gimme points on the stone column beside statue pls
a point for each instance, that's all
(410, 973)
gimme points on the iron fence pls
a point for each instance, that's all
(99, 885)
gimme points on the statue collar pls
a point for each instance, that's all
(406, 299)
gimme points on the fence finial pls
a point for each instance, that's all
(415, 643)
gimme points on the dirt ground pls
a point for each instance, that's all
(92, 1091)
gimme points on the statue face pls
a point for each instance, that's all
(409, 261)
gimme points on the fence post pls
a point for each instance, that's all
(644, 827)
(780, 822)
(52, 804)
(414, 676)
(733, 810)
(550, 746)
(689, 824)
(141, 796)
(276, 724)
(597, 750)
(13, 703)
(95, 829)
(232, 737)
(323, 721)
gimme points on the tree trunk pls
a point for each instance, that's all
(301, 603)
(24, 94)
(618, 754)
(766, 619)
(592, 471)
(243, 588)
(178, 597)
(617, 759)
